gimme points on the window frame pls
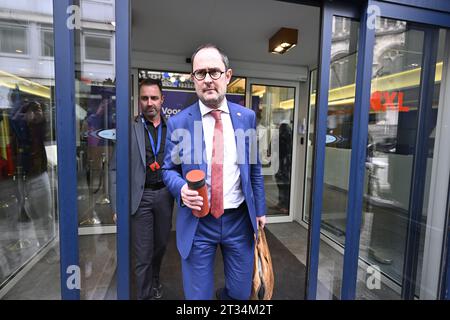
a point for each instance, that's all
(85, 34)
(26, 27)
(42, 29)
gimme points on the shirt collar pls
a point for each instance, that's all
(150, 124)
(205, 110)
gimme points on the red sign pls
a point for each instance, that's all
(383, 100)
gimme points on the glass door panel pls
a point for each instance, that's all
(391, 144)
(95, 114)
(29, 249)
(274, 107)
(395, 107)
(338, 150)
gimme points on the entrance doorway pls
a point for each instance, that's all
(267, 83)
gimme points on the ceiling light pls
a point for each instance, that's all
(278, 49)
(282, 41)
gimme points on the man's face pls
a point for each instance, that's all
(150, 100)
(211, 92)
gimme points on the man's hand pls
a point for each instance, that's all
(191, 198)
(261, 221)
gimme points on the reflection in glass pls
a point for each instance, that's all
(95, 124)
(28, 164)
(310, 144)
(14, 37)
(390, 150)
(97, 48)
(394, 107)
(274, 107)
(337, 153)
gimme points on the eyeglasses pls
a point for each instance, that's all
(213, 73)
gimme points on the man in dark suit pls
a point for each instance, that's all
(226, 134)
(151, 201)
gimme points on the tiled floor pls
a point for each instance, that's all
(294, 237)
(98, 265)
(97, 268)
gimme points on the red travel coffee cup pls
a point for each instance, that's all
(196, 181)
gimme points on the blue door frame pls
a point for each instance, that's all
(66, 138)
(359, 137)
(66, 151)
(123, 98)
(328, 11)
(65, 110)
(357, 163)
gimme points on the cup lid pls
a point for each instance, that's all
(195, 175)
(195, 179)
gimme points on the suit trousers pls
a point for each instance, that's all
(151, 225)
(234, 233)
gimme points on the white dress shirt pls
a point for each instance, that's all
(232, 192)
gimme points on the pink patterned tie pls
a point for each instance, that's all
(217, 167)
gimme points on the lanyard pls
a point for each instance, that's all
(152, 143)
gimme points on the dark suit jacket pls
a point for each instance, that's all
(174, 174)
(137, 163)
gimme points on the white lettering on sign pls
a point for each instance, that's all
(170, 112)
(374, 280)
(373, 11)
(74, 20)
(74, 279)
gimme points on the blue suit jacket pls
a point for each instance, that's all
(191, 150)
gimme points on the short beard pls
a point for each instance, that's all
(150, 116)
(213, 103)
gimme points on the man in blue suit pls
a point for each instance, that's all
(218, 137)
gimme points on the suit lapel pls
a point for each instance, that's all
(238, 124)
(139, 131)
(198, 143)
(236, 117)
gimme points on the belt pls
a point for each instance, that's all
(241, 207)
(155, 186)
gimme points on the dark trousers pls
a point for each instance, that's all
(151, 225)
(234, 233)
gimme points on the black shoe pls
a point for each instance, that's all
(157, 292)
